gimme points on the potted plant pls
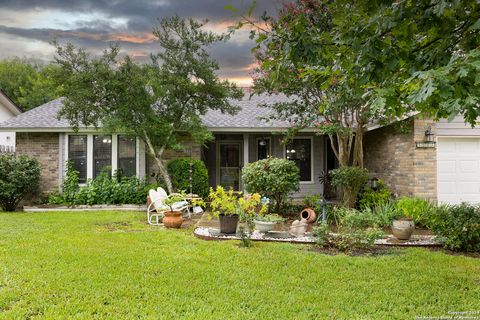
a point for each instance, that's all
(223, 206)
(403, 224)
(230, 208)
(266, 223)
(173, 218)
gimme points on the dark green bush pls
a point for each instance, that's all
(272, 177)
(370, 198)
(179, 171)
(349, 180)
(458, 226)
(101, 190)
(19, 176)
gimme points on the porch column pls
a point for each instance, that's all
(246, 137)
(245, 148)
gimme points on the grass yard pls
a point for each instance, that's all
(112, 265)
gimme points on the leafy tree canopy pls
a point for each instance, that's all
(28, 83)
(348, 63)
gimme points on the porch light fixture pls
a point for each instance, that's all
(429, 136)
(262, 142)
(429, 140)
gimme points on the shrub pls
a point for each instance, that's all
(312, 201)
(179, 171)
(354, 219)
(322, 234)
(355, 230)
(349, 180)
(370, 198)
(101, 190)
(416, 208)
(19, 176)
(385, 213)
(458, 226)
(272, 177)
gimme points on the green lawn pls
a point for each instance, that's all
(112, 265)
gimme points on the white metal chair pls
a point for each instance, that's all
(156, 208)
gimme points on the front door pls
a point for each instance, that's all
(228, 165)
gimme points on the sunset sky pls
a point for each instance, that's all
(28, 27)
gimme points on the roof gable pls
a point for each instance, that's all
(8, 105)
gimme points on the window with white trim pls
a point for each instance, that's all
(299, 150)
(127, 160)
(77, 154)
(102, 154)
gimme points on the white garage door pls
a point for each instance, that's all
(458, 170)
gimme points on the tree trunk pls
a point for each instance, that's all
(358, 149)
(161, 166)
(344, 151)
(164, 173)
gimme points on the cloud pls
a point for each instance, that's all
(93, 24)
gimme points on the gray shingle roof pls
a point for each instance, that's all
(249, 115)
(44, 117)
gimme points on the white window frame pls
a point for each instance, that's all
(90, 153)
(269, 146)
(311, 181)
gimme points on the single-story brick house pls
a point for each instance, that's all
(447, 170)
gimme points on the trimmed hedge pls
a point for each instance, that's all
(179, 171)
(272, 177)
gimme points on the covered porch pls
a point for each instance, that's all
(230, 151)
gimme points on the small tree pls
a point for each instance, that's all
(19, 176)
(272, 177)
(349, 180)
(159, 102)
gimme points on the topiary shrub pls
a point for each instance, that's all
(179, 171)
(19, 176)
(458, 226)
(272, 177)
(349, 180)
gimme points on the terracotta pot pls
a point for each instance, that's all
(308, 214)
(172, 219)
(228, 223)
(264, 226)
(402, 228)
